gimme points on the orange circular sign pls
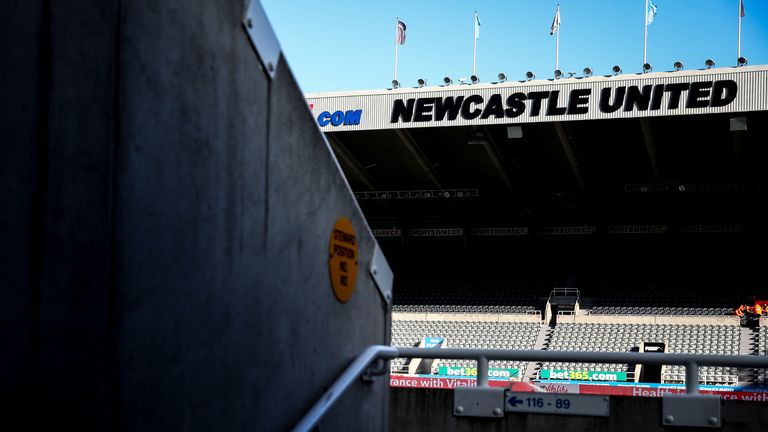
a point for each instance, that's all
(342, 260)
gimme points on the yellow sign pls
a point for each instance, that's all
(342, 261)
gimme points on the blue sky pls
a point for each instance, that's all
(334, 46)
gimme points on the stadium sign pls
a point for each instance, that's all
(499, 231)
(623, 96)
(582, 375)
(436, 232)
(700, 94)
(338, 118)
(387, 232)
(472, 372)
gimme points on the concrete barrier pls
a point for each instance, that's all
(169, 211)
(421, 409)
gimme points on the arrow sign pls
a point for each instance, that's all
(558, 403)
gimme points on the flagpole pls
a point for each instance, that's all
(396, 28)
(738, 52)
(557, 42)
(645, 40)
(474, 57)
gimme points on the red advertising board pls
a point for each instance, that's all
(642, 390)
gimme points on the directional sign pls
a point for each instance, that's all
(557, 403)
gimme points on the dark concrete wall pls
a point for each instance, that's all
(169, 210)
(431, 410)
(57, 129)
(20, 188)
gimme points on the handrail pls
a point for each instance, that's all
(566, 292)
(374, 352)
(353, 372)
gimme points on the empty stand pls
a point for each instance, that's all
(703, 339)
(442, 308)
(469, 296)
(466, 334)
(761, 375)
(663, 297)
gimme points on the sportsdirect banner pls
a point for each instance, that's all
(585, 375)
(472, 372)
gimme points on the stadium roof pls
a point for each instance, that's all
(655, 148)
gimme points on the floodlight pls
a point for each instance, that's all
(395, 84)
(709, 63)
(678, 65)
(741, 61)
(474, 79)
(616, 69)
(502, 77)
(558, 73)
(422, 82)
(529, 75)
(587, 72)
(447, 81)
(647, 67)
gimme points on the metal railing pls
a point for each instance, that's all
(564, 292)
(371, 363)
(360, 367)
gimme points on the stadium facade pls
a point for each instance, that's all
(639, 193)
(724, 90)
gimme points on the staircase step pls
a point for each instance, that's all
(542, 343)
(748, 346)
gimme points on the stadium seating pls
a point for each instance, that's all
(466, 334)
(663, 310)
(636, 298)
(652, 297)
(441, 308)
(699, 339)
(761, 376)
(468, 297)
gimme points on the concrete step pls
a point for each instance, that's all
(542, 343)
(748, 339)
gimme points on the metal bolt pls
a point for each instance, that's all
(271, 67)
(249, 23)
(669, 419)
(374, 270)
(713, 421)
(459, 409)
(497, 411)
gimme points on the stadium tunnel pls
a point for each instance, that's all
(170, 270)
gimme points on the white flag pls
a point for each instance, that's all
(650, 13)
(555, 22)
(477, 26)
